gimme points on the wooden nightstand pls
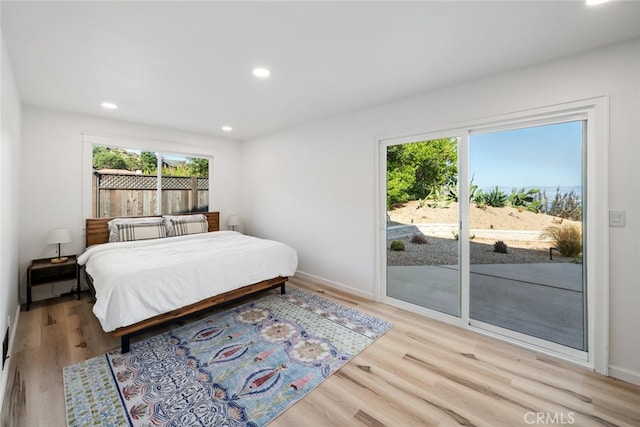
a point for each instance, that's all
(42, 271)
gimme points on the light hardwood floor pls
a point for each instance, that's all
(420, 373)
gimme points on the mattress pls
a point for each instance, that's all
(137, 280)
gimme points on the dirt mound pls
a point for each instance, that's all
(506, 218)
(443, 250)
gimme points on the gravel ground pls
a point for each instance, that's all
(441, 250)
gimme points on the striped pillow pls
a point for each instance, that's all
(141, 231)
(180, 225)
(116, 229)
(182, 228)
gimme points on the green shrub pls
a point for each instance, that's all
(496, 198)
(479, 197)
(522, 197)
(535, 206)
(451, 190)
(397, 245)
(567, 238)
(500, 247)
(529, 200)
(399, 181)
(435, 199)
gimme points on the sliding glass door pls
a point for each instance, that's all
(422, 224)
(504, 251)
(526, 213)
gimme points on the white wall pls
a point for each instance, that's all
(9, 181)
(313, 186)
(51, 178)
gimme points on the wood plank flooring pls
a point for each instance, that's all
(420, 373)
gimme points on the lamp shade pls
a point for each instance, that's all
(233, 221)
(59, 235)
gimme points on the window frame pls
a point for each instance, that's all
(157, 146)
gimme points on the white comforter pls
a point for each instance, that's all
(138, 280)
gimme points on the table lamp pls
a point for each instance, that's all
(59, 236)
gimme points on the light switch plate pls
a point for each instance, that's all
(616, 218)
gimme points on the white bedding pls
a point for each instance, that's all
(138, 280)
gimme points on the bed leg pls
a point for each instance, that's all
(124, 344)
(282, 291)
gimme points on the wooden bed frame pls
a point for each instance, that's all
(97, 232)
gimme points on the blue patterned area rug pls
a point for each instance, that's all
(239, 367)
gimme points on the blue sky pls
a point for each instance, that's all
(542, 156)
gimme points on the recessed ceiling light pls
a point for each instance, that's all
(109, 105)
(227, 128)
(595, 2)
(261, 72)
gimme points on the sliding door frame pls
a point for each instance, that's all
(463, 250)
(596, 224)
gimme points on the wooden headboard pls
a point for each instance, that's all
(97, 230)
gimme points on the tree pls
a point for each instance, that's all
(148, 162)
(418, 169)
(198, 167)
(436, 164)
(399, 182)
(105, 158)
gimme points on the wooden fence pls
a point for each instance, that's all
(125, 195)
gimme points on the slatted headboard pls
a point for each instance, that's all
(97, 230)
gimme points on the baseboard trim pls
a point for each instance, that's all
(624, 374)
(333, 284)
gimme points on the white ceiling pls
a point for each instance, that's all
(187, 65)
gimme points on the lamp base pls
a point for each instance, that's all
(59, 260)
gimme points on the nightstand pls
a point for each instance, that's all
(42, 271)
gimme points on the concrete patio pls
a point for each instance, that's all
(543, 300)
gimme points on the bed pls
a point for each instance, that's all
(142, 283)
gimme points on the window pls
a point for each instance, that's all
(129, 181)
